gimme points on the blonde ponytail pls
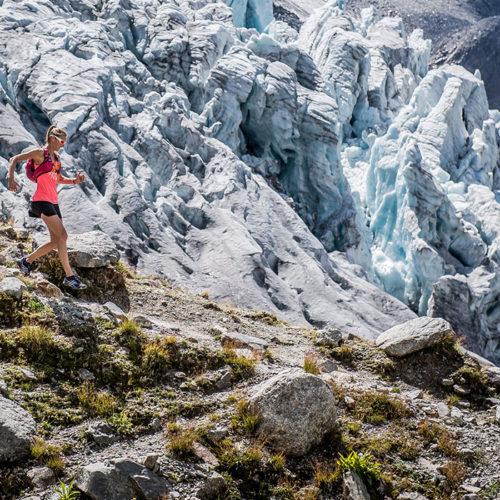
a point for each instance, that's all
(53, 130)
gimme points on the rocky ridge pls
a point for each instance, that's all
(167, 404)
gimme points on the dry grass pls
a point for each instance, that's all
(378, 408)
(96, 403)
(455, 472)
(311, 364)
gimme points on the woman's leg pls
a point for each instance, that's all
(55, 225)
(44, 249)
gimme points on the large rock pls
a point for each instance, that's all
(92, 249)
(354, 488)
(13, 287)
(295, 410)
(17, 429)
(120, 480)
(414, 335)
(236, 339)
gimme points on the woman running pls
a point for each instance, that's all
(44, 203)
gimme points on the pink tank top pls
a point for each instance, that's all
(46, 185)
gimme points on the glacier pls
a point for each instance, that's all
(324, 175)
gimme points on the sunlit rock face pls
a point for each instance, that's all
(323, 175)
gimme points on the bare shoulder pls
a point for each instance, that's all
(37, 155)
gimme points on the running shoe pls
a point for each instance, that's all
(24, 265)
(74, 282)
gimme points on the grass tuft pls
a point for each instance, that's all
(311, 365)
(96, 403)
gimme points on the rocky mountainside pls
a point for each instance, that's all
(134, 388)
(324, 176)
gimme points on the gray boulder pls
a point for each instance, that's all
(120, 480)
(413, 336)
(295, 410)
(41, 477)
(235, 339)
(92, 249)
(328, 338)
(17, 429)
(101, 433)
(354, 488)
(212, 487)
(13, 287)
(493, 374)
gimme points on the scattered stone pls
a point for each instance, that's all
(4, 390)
(41, 477)
(497, 415)
(457, 416)
(447, 382)
(180, 375)
(13, 287)
(151, 462)
(92, 249)
(328, 366)
(46, 288)
(156, 424)
(120, 479)
(142, 321)
(28, 375)
(492, 401)
(295, 410)
(460, 390)
(328, 338)
(101, 433)
(354, 488)
(223, 381)
(481, 420)
(85, 374)
(414, 394)
(467, 454)
(442, 409)
(413, 336)
(218, 434)
(410, 495)
(427, 464)
(212, 488)
(235, 339)
(17, 429)
(205, 455)
(216, 330)
(116, 311)
(493, 374)
(349, 402)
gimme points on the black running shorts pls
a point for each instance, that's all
(37, 208)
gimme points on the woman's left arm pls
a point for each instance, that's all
(65, 180)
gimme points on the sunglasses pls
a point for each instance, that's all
(61, 141)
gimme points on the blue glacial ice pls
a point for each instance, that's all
(251, 13)
(420, 152)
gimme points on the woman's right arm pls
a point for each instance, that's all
(36, 154)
